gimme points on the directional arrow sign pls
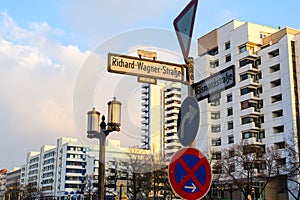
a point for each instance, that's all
(192, 187)
(188, 121)
(184, 24)
(190, 174)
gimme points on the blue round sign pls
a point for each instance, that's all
(188, 121)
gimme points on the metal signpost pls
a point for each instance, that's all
(190, 174)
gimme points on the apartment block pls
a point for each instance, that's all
(262, 109)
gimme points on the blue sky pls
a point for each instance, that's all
(43, 45)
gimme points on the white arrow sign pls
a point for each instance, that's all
(190, 115)
(192, 187)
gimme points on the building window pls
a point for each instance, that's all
(275, 83)
(214, 64)
(276, 98)
(229, 111)
(215, 102)
(278, 129)
(275, 68)
(230, 139)
(229, 98)
(215, 115)
(227, 45)
(216, 142)
(242, 49)
(228, 58)
(216, 128)
(213, 51)
(247, 90)
(230, 125)
(216, 155)
(281, 161)
(274, 53)
(231, 153)
(277, 113)
(279, 145)
(231, 168)
(248, 75)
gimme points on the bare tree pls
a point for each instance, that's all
(244, 166)
(139, 173)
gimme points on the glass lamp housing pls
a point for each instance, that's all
(93, 121)
(114, 114)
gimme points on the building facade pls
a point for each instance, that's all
(56, 171)
(3, 173)
(262, 109)
(160, 108)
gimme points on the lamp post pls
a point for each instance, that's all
(100, 131)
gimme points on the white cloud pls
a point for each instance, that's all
(37, 76)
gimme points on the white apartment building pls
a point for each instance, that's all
(160, 107)
(171, 106)
(262, 109)
(71, 168)
(57, 171)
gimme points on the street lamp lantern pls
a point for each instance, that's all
(114, 115)
(93, 122)
(99, 130)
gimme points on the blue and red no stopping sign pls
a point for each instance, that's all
(190, 174)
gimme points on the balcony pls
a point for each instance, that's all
(172, 105)
(73, 182)
(146, 122)
(253, 140)
(171, 131)
(249, 82)
(145, 98)
(252, 125)
(173, 124)
(144, 110)
(145, 104)
(171, 138)
(172, 111)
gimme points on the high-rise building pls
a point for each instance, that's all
(160, 108)
(262, 109)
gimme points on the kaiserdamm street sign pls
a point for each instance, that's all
(214, 84)
(124, 64)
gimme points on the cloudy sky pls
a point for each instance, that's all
(48, 66)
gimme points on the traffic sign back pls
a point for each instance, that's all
(190, 174)
(184, 24)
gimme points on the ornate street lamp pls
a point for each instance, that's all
(99, 130)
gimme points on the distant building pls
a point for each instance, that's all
(3, 173)
(12, 183)
(56, 171)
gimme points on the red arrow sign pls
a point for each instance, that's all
(184, 24)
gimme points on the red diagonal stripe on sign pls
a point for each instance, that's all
(191, 173)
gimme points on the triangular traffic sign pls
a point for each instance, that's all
(184, 24)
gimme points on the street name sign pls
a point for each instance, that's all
(184, 25)
(211, 86)
(188, 121)
(124, 64)
(190, 174)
